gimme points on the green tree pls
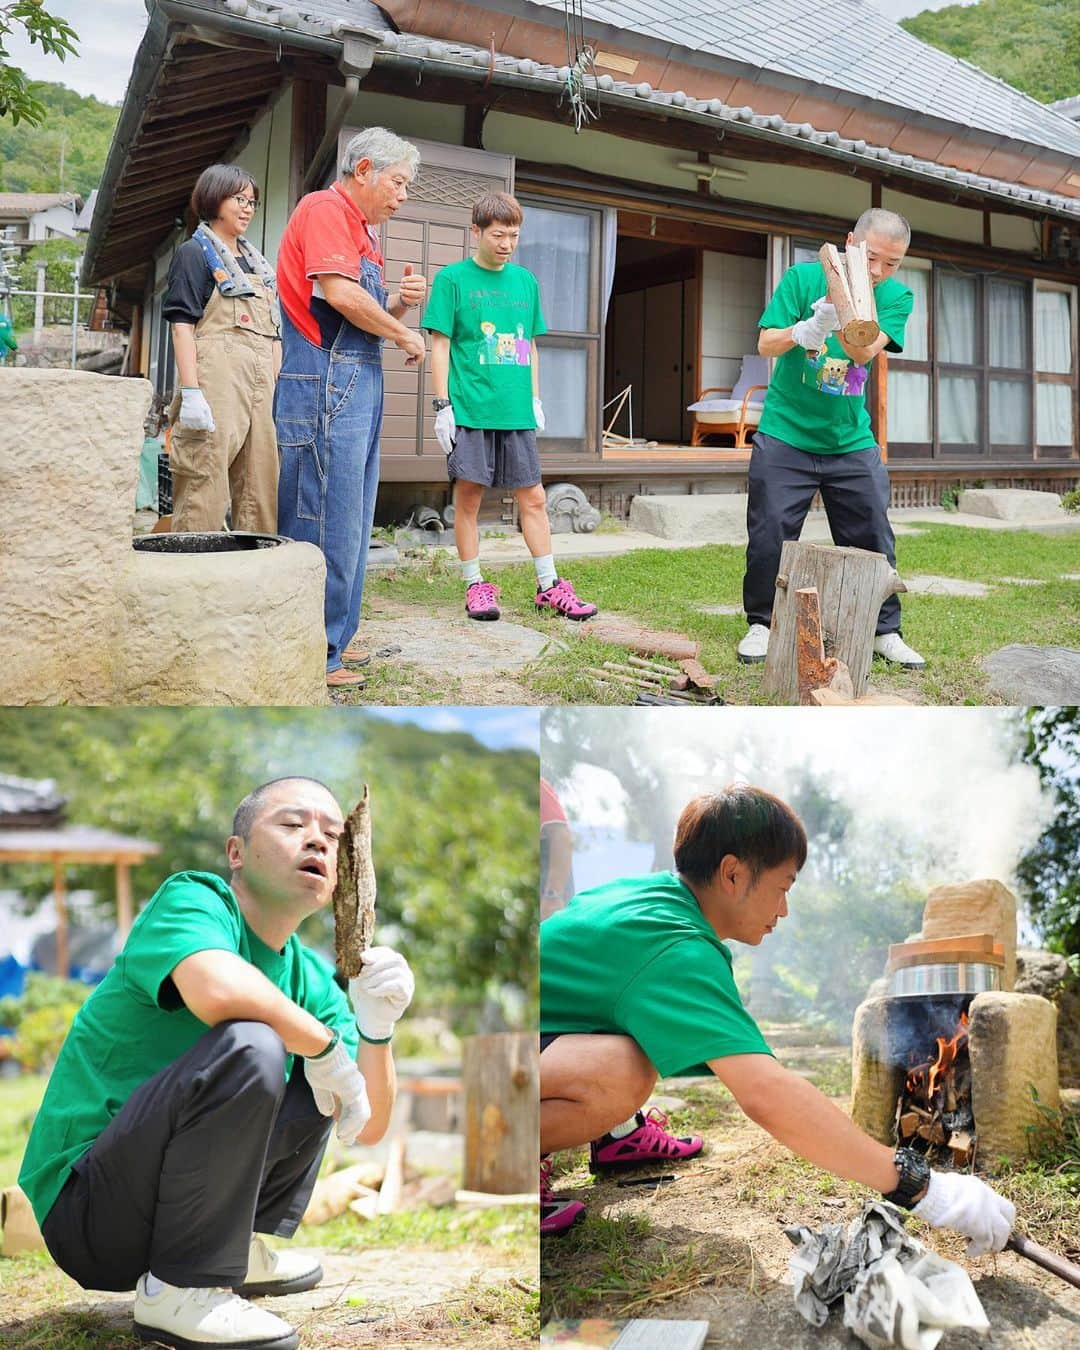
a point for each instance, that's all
(60, 257)
(1049, 872)
(1034, 45)
(54, 35)
(67, 152)
(454, 824)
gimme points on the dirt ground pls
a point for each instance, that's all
(728, 1209)
(385, 1296)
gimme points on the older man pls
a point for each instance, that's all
(329, 399)
(815, 435)
(193, 1098)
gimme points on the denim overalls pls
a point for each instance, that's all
(328, 413)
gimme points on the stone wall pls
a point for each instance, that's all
(88, 620)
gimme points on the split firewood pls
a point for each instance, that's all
(333, 1194)
(960, 1145)
(933, 1133)
(390, 1190)
(698, 675)
(366, 1205)
(909, 1123)
(851, 292)
(815, 669)
(433, 1191)
(488, 1200)
(354, 894)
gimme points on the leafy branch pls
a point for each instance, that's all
(54, 35)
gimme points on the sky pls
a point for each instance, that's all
(497, 728)
(110, 30)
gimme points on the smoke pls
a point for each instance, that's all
(944, 778)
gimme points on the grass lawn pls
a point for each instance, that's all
(670, 589)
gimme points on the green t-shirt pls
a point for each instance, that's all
(636, 958)
(491, 319)
(817, 401)
(134, 1023)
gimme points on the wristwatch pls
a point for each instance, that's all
(440, 403)
(914, 1177)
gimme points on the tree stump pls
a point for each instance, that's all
(501, 1077)
(852, 584)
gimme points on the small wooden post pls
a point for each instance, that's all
(123, 899)
(852, 584)
(63, 959)
(501, 1076)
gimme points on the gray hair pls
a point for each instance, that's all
(380, 146)
(889, 223)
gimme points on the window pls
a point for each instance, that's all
(1055, 368)
(560, 245)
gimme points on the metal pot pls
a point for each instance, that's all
(959, 977)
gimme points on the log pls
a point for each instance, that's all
(829, 698)
(354, 893)
(851, 292)
(852, 584)
(501, 1074)
(643, 641)
(698, 675)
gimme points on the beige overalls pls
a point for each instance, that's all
(235, 341)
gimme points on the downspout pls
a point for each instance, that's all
(357, 58)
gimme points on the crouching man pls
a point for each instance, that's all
(193, 1098)
(635, 981)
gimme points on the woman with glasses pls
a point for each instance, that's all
(222, 306)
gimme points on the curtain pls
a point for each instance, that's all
(909, 405)
(1053, 332)
(1010, 412)
(917, 333)
(955, 330)
(1053, 414)
(958, 413)
(610, 236)
(555, 248)
(1008, 319)
(563, 381)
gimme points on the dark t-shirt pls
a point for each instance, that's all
(191, 283)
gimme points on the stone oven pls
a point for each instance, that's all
(86, 618)
(950, 1059)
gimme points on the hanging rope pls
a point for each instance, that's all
(580, 59)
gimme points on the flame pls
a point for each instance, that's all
(946, 1054)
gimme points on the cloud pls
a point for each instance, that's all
(109, 34)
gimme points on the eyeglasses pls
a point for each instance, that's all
(244, 202)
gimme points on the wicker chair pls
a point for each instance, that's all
(738, 414)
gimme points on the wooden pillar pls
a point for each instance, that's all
(123, 898)
(308, 126)
(63, 960)
(879, 410)
(501, 1078)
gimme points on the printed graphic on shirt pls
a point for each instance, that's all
(834, 375)
(503, 349)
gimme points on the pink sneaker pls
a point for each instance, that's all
(556, 1216)
(563, 600)
(481, 601)
(650, 1142)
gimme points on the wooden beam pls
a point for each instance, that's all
(880, 409)
(63, 959)
(475, 113)
(123, 899)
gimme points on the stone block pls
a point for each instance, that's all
(1012, 1043)
(1018, 505)
(1039, 677)
(705, 518)
(975, 907)
(875, 1082)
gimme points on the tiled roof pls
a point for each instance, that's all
(847, 45)
(19, 796)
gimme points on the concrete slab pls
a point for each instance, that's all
(931, 585)
(1021, 581)
(720, 609)
(460, 647)
(706, 518)
(1012, 504)
(1035, 676)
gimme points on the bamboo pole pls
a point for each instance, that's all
(63, 959)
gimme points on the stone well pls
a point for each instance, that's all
(1012, 1038)
(85, 618)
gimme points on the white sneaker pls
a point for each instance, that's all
(278, 1272)
(893, 648)
(754, 646)
(192, 1319)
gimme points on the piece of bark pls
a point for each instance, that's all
(698, 675)
(856, 312)
(354, 894)
(646, 642)
(814, 669)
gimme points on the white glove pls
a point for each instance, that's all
(956, 1200)
(195, 412)
(381, 992)
(538, 413)
(446, 428)
(811, 333)
(335, 1081)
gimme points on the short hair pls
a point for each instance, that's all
(748, 822)
(382, 148)
(889, 223)
(249, 807)
(215, 184)
(497, 207)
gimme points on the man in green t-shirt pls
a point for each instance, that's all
(484, 317)
(636, 982)
(194, 1096)
(815, 434)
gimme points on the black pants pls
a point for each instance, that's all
(781, 485)
(210, 1149)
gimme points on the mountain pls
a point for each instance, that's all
(67, 152)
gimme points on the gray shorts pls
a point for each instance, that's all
(505, 459)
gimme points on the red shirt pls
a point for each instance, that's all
(551, 811)
(327, 233)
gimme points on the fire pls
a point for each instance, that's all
(946, 1056)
